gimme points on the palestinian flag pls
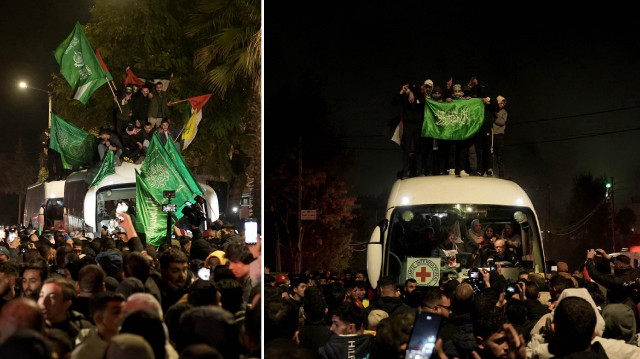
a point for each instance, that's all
(147, 77)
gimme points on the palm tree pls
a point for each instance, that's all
(228, 34)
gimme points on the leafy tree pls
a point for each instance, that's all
(150, 34)
(229, 42)
(228, 38)
(625, 220)
(326, 240)
(588, 223)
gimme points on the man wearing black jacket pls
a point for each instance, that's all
(388, 300)
(619, 284)
(349, 339)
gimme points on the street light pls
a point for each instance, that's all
(24, 85)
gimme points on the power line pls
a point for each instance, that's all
(576, 137)
(579, 115)
(570, 138)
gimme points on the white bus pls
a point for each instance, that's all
(100, 201)
(424, 210)
(43, 207)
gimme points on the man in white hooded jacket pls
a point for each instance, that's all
(538, 346)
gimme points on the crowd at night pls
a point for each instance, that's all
(590, 311)
(66, 294)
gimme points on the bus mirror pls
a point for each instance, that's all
(374, 252)
(374, 261)
(520, 217)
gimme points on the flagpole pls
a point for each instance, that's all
(175, 102)
(114, 94)
(179, 133)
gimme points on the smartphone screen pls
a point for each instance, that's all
(204, 273)
(251, 232)
(423, 336)
(122, 208)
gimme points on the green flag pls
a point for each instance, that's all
(106, 168)
(455, 120)
(161, 174)
(80, 65)
(182, 167)
(150, 219)
(76, 146)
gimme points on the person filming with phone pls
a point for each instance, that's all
(618, 288)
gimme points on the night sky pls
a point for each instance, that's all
(571, 82)
(31, 30)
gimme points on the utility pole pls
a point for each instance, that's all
(548, 212)
(613, 217)
(278, 260)
(610, 195)
(299, 204)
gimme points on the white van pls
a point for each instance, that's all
(423, 211)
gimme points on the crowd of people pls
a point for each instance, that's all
(489, 244)
(66, 295)
(477, 155)
(139, 112)
(590, 312)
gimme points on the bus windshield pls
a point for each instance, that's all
(107, 200)
(459, 237)
(54, 211)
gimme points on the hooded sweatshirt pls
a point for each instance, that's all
(619, 322)
(347, 346)
(538, 347)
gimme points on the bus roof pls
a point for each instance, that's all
(448, 189)
(125, 173)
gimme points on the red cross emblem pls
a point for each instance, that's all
(423, 274)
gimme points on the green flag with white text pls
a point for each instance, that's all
(106, 168)
(455, 120)
(76, 146)
(150, 219)
(161, 174)
(182, 167)
(80, 66)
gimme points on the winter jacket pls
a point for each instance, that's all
(538, 348)
(619, 286)
(390, 305)
(500, 121)
(355, 346)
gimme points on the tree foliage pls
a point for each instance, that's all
(150, 34)
(588, 215)
(625, 220)
(326, 240)
(228, 34)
